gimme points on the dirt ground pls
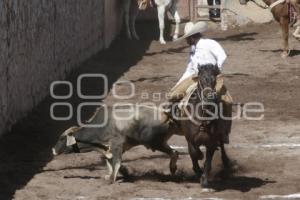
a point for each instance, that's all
(267, 151)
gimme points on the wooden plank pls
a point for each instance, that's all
(208, 19)
(213, 7)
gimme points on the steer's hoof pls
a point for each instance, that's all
(124, 171)
(173, 166)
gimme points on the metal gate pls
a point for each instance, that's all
(194, 10)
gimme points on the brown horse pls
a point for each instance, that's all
(281, 13)
(201, 125)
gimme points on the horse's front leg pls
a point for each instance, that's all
(225, 159)
(194, 154)
(161, 9)
(207, 165)
(174, 12)
(284, 23)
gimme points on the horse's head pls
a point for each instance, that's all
(207, 77)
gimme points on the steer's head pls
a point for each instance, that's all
(66, 142)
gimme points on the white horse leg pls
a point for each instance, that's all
(134, 11)
(176, 16)
(177, 20)
(296, 34)
(126, 7)
(161, 18)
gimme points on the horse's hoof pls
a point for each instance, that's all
(234, 165)
(173, 170)
(175, 37)
(229, 168)
(204, 182)
(198, 173)
(107, 177)
(162, 42)
(284, 54)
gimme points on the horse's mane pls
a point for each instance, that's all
(207, 67)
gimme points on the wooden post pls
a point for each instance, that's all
(224, 25)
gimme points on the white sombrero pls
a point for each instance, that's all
(191, 29)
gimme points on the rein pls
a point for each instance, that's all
(203, 125)
(200, 95)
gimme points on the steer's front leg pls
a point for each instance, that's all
(173, 156)
(110, 170)
(116, 149)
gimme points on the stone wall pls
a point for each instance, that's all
(41, 41)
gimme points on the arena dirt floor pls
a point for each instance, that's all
(267, 151)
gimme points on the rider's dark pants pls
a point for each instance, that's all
(214, 13)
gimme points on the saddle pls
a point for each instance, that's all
(185, 100)
(144, 4)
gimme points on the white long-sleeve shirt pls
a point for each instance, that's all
(206, 51)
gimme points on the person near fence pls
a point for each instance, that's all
(214, 12)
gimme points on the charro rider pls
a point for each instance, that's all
(202, 52)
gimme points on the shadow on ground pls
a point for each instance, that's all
(238, 37)
(26, 149)
(239, 183)
(292, 53)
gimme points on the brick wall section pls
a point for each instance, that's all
(41, 41)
